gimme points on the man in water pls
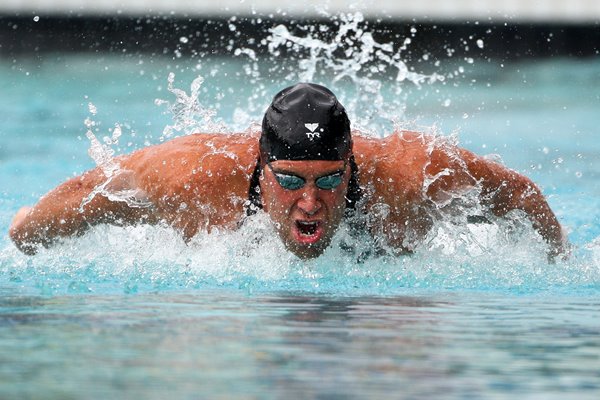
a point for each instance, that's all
(305, 170)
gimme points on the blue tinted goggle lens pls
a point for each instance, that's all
(293, 182)
(290, 182)
(329, 182)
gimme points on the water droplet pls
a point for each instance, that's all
(184, 39)
(36, 18)
(480, 43)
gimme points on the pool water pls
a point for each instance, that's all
(223, 344)
(134, 312)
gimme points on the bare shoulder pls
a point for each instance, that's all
(201, 177)
(391, 172)
(186, 149)
(394, 164)
(199, 154)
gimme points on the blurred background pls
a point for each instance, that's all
(542, 10)
(513, 28)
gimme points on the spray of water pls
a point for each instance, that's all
(368, 76)
(189, 115)
(144, 259)
(103, 154)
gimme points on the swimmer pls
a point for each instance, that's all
(305, 170)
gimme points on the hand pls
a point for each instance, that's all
(561, 249)
(19, 217)
(16, 233)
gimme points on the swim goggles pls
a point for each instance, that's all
(295, 182)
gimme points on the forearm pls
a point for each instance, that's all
(522, 194)
(60, 213)
(32, 227)
(545, 222)
(505, 190)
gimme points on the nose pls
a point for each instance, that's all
(310, 203)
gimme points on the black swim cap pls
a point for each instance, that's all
(305, 122)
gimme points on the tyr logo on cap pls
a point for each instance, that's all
(312, 128)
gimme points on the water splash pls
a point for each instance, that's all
(102, 153)
(115, 187)
(500, 257)
(188, 113)
(368, 76)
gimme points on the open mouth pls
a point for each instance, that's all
(307, 228)
(308, 232)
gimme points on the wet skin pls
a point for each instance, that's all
(306, 218)
(190, 186)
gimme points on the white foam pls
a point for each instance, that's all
(498, 256)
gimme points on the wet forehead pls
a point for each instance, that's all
(307, 168)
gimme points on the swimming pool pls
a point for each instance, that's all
(134, 312)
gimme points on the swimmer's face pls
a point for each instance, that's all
(305, 217)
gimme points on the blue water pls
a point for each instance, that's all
(219, 344)
(134, 312)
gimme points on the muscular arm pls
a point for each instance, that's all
(416, 175)
(191, 183)
(505, 190)
(66, 211)
(501, 190)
